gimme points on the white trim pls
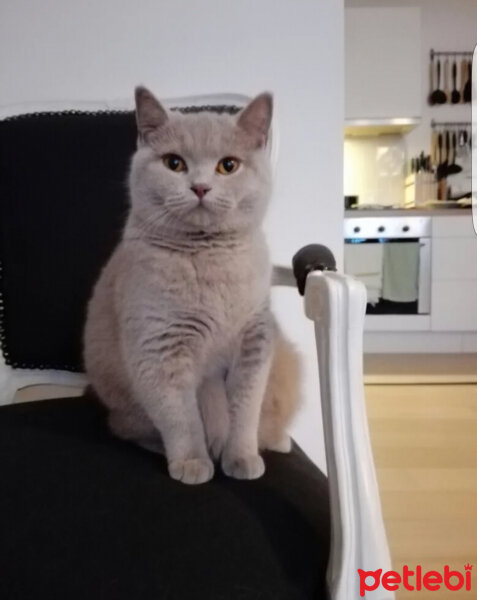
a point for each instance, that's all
(12, 380)
(337, 303)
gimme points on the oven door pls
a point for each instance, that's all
(395, 271)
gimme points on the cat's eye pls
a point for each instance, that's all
(174, 162)
(228, 165)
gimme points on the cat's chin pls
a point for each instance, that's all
(204, 216)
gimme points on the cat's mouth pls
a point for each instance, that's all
(210, 205)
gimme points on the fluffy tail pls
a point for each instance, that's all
(281, 398)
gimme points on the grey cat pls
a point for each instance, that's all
(180, 343)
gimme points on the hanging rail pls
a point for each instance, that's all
(450, 124)
(450, 53)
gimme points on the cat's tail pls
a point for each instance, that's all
(281, 398)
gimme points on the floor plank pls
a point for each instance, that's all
(424, 439)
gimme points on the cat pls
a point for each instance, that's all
(180, 343)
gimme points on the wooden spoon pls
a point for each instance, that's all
(434, 149)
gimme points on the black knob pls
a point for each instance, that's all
(357, 229)
(381, 228)
(405, 228)
(314, 257)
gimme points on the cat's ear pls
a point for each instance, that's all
(256, 118)
(150, 114)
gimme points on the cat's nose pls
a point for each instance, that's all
(200, 190)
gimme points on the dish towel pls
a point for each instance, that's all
(365, 262)
(401, 271)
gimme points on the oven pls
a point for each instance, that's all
(392, 257)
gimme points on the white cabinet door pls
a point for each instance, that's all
(382, 63)
(454, 274)
(454, 259)
(454, 305)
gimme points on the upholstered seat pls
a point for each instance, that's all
(86, 516)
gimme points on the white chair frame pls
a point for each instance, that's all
(336, 304)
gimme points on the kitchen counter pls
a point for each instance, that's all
(409, 212)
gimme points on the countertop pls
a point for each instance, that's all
(409, 212)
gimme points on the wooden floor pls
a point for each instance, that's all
(420, 368)
(425, 445)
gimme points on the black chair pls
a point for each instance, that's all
(84, 515)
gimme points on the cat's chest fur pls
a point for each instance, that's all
(229, 285)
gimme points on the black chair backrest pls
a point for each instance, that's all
(63, 203)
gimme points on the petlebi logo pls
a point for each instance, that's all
(415, 580)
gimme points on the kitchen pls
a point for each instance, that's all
(407, 173)
(410, 239)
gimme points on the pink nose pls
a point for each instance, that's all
(200, 190)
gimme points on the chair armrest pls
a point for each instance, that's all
(336, 303)
(314, 257)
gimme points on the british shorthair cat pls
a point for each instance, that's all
(180, 343)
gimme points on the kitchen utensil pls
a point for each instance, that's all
(455, 95)
(350, 202)
(442, 166)
(445, 86)
(452, 168)
(463, 78)
(438, 96)
(431, 80)
(442, 189)
(468, 84)
(434, 149)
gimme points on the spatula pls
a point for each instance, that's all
(463, 78)
(452, 168)
(445, 87)
(468, 84)
(438, 96)
(455, 95)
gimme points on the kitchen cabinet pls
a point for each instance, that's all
(383, 75)
(454, 275)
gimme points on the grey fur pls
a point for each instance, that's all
(179, 338)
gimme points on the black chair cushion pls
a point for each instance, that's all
(63, 204)
(86, 516)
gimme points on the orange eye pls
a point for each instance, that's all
(228, 165)
(174, 162)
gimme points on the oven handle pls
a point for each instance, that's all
(425, 276)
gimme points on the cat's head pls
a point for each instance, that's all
(201, 171)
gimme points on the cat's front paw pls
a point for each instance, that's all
(243, 467)
(192, 471)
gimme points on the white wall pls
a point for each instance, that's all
(90, 50)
